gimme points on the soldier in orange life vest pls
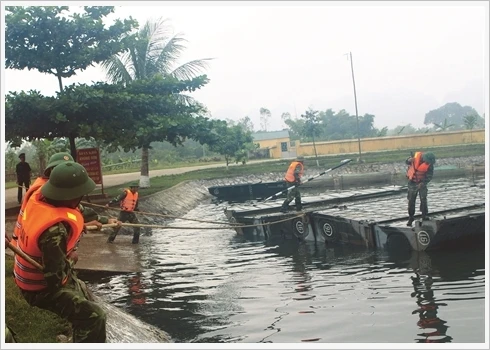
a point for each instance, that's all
(51, 229)
(128, 201)
(89, 215)
(419, 174)
(293, 178)
(55, 159)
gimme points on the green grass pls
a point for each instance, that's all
(31, 324)
(159, 166)
(10, 184)
(160, 183)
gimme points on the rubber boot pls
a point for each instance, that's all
(298, 205)
(136, 238)
(410, 221)
(285, 207)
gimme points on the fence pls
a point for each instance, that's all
(122, 165)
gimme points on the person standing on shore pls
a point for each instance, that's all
(23, 171)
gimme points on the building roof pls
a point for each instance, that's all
(270, 135)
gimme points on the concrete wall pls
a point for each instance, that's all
(390, 143)
(272, 143)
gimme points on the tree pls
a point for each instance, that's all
(246, 124)
(265, 115)
(11, 159)
(311, 127)
(126, 116)
(230, 141)
(285, 116)
(51, 41)
(470, 122)
(296, 127)
(444, 126)
(453, 112)
(152, 51)
(42, 152)
(383, 132)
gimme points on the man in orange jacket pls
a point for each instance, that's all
(419, 174)
(90, 216)
(51, 229)
(293, 178)
(128, 202)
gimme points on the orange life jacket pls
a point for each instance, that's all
(417, 170)
(129, 202)
(290, 173)
(38, 216)
(38, 183)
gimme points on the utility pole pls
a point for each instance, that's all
(355, 101)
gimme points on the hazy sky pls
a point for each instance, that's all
(409, 57)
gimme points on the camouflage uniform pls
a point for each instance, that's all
(126, 216)
(422, 191)
(91, 215)
(70, 301)
(9, 335)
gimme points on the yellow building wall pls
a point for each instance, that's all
(271, 143)
(388, 143)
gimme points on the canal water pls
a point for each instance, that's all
(203, 285)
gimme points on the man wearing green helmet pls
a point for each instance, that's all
(419, 174)
(51, 229)
(128, 201)
(90, 216)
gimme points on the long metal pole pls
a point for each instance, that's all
(342, 163)
(355, 101)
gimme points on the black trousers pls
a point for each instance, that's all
(21, 184)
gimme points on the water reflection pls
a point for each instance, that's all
(443, 269)
(216, 286)
(427, 312)
(137, 290)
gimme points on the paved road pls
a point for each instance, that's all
(117, 179)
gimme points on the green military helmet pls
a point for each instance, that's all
(134, 184)
(68, 180)
(56, 159)
(429, 157)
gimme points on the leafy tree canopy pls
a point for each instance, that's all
(449, 114)
(54, 41)
(127, 116)
(231, 141)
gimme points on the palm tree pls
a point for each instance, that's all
(153, 50)
(443, 127)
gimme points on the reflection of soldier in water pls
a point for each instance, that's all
(136, 290)
(428, 312)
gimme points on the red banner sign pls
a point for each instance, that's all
(90, 159)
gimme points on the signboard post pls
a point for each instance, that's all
(90, 159)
